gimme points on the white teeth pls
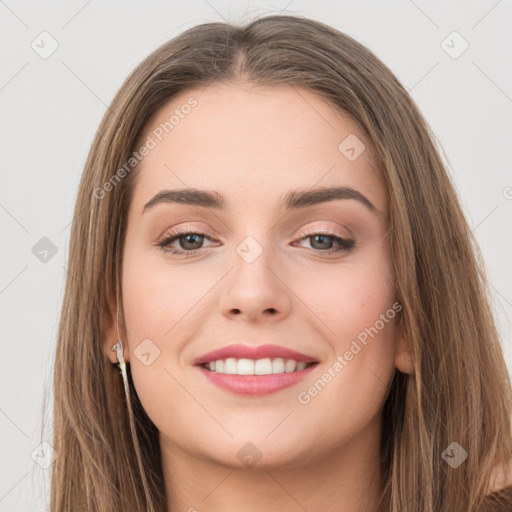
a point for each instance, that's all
(290, 365)
(245, 367)
(231, 366)
(265, 366)
(278, 365)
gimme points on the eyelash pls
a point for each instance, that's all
(346, 244)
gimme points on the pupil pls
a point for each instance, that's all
(189, 238)
(324, 237)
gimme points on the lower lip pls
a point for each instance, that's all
(256, 384)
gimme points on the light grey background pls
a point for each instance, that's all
(51, 108)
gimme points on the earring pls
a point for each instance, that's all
(118, 347)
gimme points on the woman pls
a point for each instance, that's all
(267, 245)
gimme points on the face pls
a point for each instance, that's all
(263, 267)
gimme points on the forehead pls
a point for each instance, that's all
(254, 142)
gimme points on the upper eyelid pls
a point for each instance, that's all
(182, 231)
(200, 230)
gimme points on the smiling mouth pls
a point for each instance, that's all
(265, 366)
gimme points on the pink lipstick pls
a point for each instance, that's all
(255, 370)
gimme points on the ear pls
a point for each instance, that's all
(403, 354)
(110, 334)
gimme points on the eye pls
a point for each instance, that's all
(190, 242)
(323, 242)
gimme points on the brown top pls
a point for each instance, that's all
(498, 501)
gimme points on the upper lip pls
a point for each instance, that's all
(241, 351)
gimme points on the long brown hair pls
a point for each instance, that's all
(460, 390)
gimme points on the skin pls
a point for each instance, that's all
(253, 145)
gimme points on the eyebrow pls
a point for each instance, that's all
(293, 200)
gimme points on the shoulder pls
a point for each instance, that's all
(499, 498)
(498, 501)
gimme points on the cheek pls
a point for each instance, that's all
(358, 312)
(157, 299)
(155, 303)
(354, 300)
(364, 310)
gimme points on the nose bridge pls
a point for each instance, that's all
(254, 286)
(256, 242)
(253, 261)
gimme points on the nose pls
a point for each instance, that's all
(257, 292)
